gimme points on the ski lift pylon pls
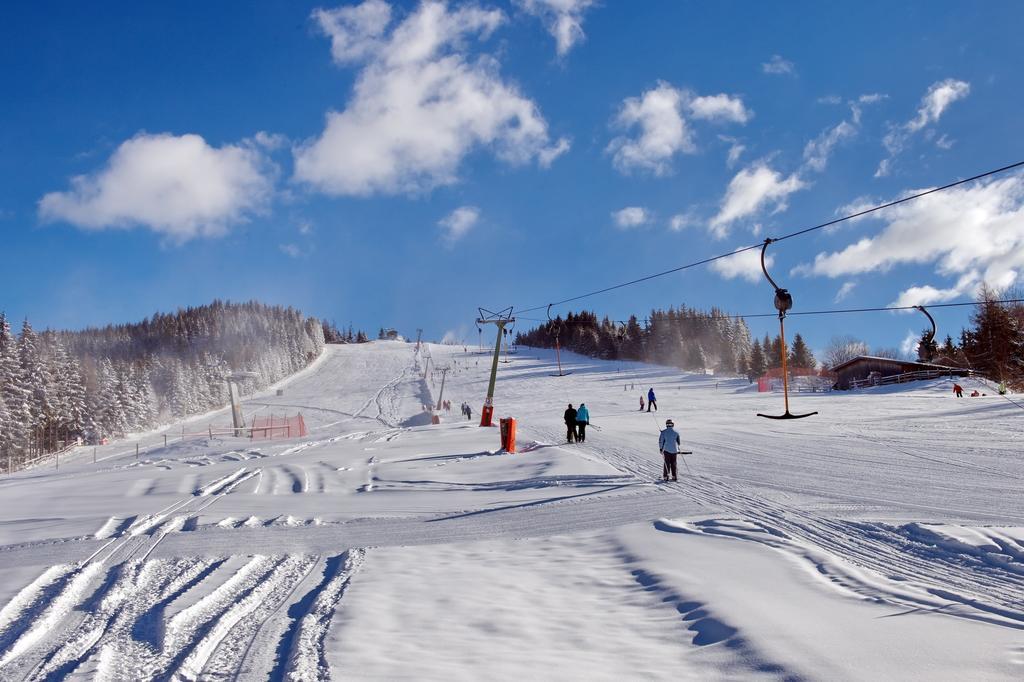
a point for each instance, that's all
(783, 302)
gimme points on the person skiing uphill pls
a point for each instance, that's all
(958, 391)
(651, 400)
(570, 424)
(668, 443)
(582, 419)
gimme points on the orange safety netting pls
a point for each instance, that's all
(266, 428)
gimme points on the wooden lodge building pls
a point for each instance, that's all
(868, 367)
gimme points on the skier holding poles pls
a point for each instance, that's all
(668, 443)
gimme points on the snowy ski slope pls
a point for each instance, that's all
(881, 539)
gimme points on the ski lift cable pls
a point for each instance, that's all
(790, 235)
(853, 310)
(881, 308)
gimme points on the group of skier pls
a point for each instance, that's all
(576, 422)
(467, 411)
(652, 400)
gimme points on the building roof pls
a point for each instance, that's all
(875, 358)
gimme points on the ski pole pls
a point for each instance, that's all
(684, 461)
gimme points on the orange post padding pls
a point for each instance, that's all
(485, 415)
(508, 434)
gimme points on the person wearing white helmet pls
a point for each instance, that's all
(668, 443)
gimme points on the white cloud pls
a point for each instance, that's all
(872, 98)
(736, 149)
(663, 128)
(546, 156)
(844, 291)
(631, 216)
(975, 233)
(908, 347)
(746, 265)
(681, 221)
(270, 141)
(939, 97)
(178, 186)
(720, 107)
(818, 150)
(927, 294)
(663, 131)
(830, 99)
(420, 103)
(292, 250)
(944, 142)
(456, 224)
(562, 18)
(778, 66)
(751, 190)
(356, 32)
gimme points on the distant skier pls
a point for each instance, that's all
(641, 403)
(958, 390)
(570, 424)
(469, 412)
(582, 419)
(668, 443)
(652, 401)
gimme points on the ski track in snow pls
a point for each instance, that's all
(127, 611)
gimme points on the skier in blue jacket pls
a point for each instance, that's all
(582, 419)
(651, 400)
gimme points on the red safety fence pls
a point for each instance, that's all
(267, 428)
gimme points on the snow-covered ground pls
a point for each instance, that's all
(880, 539)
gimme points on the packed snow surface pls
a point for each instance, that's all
(880, 539)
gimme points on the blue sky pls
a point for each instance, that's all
(401, 164)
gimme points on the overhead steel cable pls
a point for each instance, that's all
(879, 309)
(790, 235)
(842, 310)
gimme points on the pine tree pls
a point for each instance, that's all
(743, 365)
(12, 391)
(766, 349)
(696, 358)
(757, 366)
(7, 447)
(70, 397)
(741, 338)
(36, 379)
(997, 342)
(726, 360)
(800, 355)
(774, 354)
